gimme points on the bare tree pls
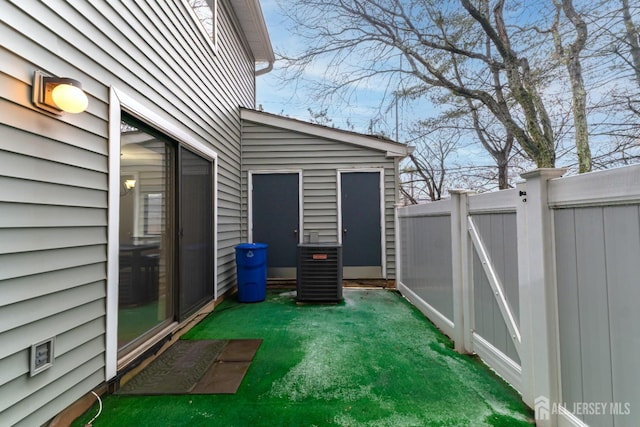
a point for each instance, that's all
(431, 161)
(536, 138)
(493, 73)
(614, 49)
(434, 166)
(432, 171)
(497, 145)
(470, 122)
(632, 35)
(363, 35)
(570, 56)
(319, 117)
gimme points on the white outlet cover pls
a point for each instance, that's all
(42, 356)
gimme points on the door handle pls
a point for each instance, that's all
(344, 230)
(295, 231)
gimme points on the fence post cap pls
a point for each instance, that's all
(548, 173)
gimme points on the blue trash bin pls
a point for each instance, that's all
(251, 268)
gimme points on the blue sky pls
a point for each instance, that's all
(367, 103)
(294, 101)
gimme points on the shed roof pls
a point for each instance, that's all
(252, 21)
(391, 148)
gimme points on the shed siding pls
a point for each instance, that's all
(269, 148)
(54, 171)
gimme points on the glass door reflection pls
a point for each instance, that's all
(146, 223)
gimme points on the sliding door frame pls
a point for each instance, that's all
(119, 102)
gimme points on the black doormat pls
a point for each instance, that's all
(195, 367)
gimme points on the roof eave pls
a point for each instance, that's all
(252, 21)
(390, 148)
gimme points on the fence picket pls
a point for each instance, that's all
(495, 283)
(581, 273)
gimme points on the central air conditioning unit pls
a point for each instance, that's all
(319, 275)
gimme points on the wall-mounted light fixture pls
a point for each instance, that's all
(58, 94)
(129, 184)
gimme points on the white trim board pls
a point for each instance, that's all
(604, 187)
(383, 230)
(498, 361)
(440, 320)
(120, 101)
(251, 19)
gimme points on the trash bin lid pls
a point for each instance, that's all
(252, 246)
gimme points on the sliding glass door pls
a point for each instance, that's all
(166, 233)
(196, 223)
(147, 223)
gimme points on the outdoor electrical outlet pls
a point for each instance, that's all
(41, 356)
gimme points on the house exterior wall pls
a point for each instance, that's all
(54, 171)
(269, 148)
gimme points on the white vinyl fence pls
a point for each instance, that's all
(543, 283)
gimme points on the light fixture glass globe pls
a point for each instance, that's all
(130, 184)
(70, 99)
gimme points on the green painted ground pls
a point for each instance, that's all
(373, 360)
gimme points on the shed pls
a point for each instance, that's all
(304, 182)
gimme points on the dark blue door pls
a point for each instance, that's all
(275, 216)
(361, 234)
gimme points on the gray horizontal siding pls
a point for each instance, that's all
(18, 314)
(45, 193)
(17, 364)
(20, 339)
(36, 285)
(27, 263)
(54, 170)
(29, 144)
(269, 148)
(64, 363)
(22, 215)
(30, 240)
(73, 381)
(63, 135)
(32, 169)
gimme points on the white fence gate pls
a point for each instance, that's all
(543, 283)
